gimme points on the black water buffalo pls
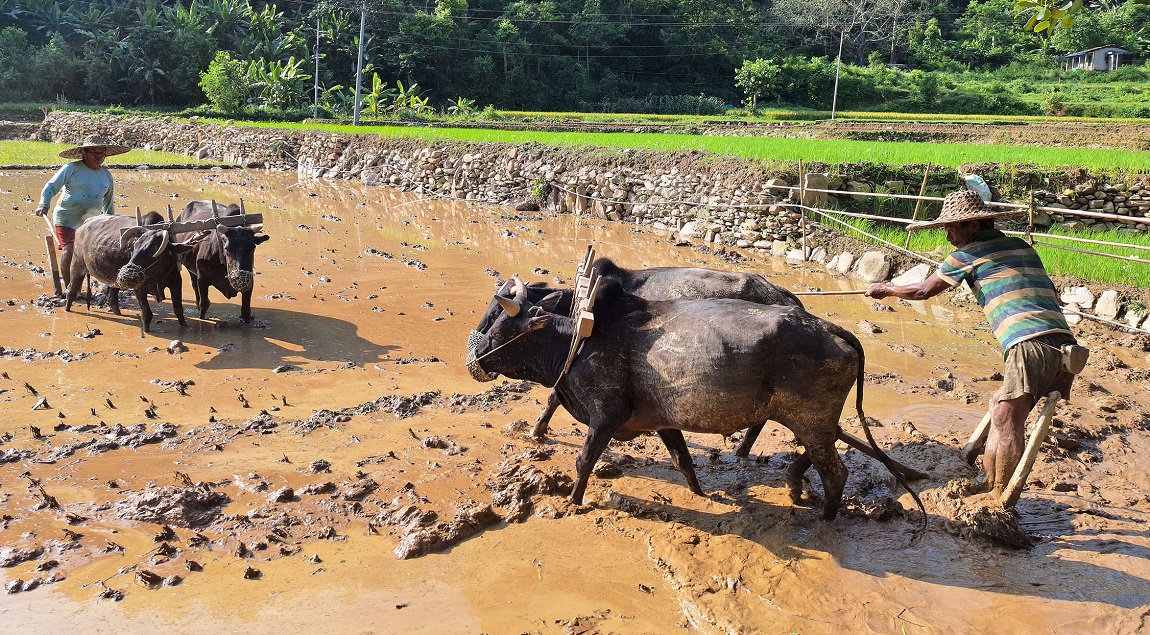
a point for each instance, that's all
(712, 365)
(143, 260)
(657, 283)
(223, 260)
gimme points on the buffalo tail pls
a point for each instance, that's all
(882, 456)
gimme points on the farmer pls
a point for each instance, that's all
(1021, 304)
(85, 188)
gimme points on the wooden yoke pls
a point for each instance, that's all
(209, 224)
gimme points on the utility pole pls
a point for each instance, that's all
(838, 68)
(359, 62)
(315, 107)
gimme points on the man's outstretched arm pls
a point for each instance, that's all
(924, 290)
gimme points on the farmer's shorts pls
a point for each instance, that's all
(65, 236)
(1034, 367)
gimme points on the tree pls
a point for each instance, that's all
(225, 83)
(757, 79)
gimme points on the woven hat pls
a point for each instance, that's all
(962, 206)
(94, 141)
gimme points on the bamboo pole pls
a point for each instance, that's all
(1013, 489)
(1106, 321)
(1094, 253)
(802, 210)
(50, 244)
(855, 292)
(918, 203)
(1075, 239)
(978, 438)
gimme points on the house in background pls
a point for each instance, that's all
(1099, 58)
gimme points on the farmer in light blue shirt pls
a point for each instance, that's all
(85, 188)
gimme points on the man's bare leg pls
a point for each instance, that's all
(1007, 440)
(66, 264)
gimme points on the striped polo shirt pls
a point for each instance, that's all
(1010, 284)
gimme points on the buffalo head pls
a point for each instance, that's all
(151, 250)
(239, 247)
(502, 348)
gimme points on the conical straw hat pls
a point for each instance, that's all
(962, 206)
(94, 141)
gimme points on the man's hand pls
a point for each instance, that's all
(40, 211)
(878, 291)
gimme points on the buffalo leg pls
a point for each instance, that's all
(74, 285)
(177, 293)
(145, 310)
(598, 437)
(795, 477)
(246, 306)
(202, 302)
(833, 473)
(744, 448)
(681, 458)
(112, 297)
(544, 420)
(195, 280)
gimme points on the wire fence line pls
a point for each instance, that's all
(1035, 238)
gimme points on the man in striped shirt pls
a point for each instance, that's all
(1021, 304)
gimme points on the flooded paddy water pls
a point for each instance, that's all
(267, 478)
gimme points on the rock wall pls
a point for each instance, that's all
(724, 201)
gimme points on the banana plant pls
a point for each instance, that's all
(461, 107)
(378, 98)
(406, 96)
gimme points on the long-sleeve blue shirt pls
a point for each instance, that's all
(84, 192)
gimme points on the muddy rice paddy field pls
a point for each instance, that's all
(333, 468)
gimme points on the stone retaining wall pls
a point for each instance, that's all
(725, 201)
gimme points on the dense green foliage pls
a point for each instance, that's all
(669, 56)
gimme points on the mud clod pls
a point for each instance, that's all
(190, 507)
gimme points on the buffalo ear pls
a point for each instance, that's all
(550, 302)
(262, 238)
(537, 323)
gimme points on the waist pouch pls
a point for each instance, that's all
(1074, 358)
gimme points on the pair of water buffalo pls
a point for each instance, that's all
(148, 260)
(691, 349)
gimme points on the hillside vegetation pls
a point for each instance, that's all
(264, 60)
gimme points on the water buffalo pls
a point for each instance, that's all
(671, 283)
(143, 260)
(224, 260)
(657, 283)
(710, 365)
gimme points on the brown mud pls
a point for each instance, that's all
(333, 466)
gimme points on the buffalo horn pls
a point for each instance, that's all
(257, 228)
(163, 245)
(509, 305)
(222, 229)
(505, 288)
(520, 290)
(128, 236)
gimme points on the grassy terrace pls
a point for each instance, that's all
(764, 148)
(48, 155)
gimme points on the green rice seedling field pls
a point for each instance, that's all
(48, 154)
(767, 148)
